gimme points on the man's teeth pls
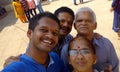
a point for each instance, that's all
(47, 41)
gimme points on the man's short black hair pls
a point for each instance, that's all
(64, 9)
(33, 22)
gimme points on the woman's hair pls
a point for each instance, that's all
(81, 38)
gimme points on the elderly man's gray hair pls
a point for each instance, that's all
(86, 9)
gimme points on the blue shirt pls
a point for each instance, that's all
(58, 48)
(105, 52)
(27, 64)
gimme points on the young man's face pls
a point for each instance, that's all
(45, 35)
(84, 23)
(66, 21)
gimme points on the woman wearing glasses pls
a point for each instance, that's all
(82, 55)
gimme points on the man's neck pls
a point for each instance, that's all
(39, 56)
(61, 37)
(89, 36)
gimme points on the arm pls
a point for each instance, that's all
(113, 59)
(11, 59)
(15, 67)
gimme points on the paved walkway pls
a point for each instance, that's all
(13, 33)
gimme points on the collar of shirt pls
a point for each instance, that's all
(29, 59)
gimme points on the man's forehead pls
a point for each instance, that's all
(64, 14)
(84, 12)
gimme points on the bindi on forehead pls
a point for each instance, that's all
(78, 47)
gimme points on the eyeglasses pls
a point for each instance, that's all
(82, 52)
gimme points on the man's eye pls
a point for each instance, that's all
(62, 21)
(55, 33)
(43, 30)
(79, 21)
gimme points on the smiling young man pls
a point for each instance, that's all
(43, 35)
(66, 17)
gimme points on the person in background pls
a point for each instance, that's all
(26, 8)
(43, 32)
(39, 6)
(81, 2)
(32, 7)
(2, 11)
(19, 12)
(116, 21)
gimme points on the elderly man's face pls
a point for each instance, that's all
(84, 23)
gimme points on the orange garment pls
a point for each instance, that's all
(19, 12)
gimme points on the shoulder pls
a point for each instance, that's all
(103, 42)
(99, 37)
(14, 67)
(69, 37)
(54, 55)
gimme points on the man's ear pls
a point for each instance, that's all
(29, 33)
(95, 26)
(74, 25)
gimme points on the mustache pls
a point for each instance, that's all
(63, 27)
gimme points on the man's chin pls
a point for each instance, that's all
(83, 33)
(63, 34)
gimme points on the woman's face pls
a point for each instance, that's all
(81, 56)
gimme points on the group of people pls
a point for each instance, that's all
(26, 9)
(52, 49)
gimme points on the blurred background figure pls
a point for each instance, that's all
(2, 11)
(116, 21)
(39, 6)
(81, 1)
(32, 7)
(26, 8)
(19, 12)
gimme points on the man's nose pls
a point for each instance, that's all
(50, 35)
(83, 22)
(65, 24)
